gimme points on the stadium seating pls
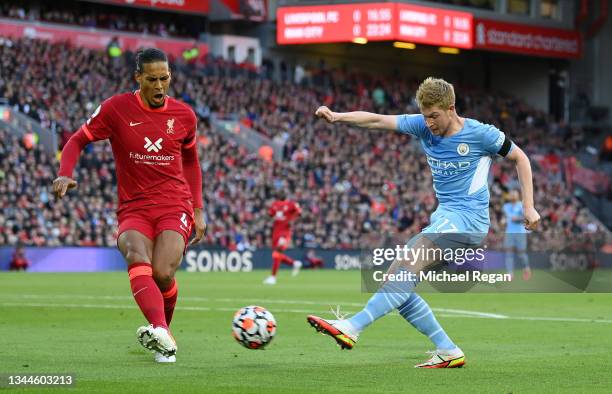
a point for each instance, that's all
(99, 16)
(351, 182)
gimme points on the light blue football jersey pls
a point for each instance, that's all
(460, 167)
(510, 210)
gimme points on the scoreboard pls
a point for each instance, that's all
(374, 22)
(434, 26)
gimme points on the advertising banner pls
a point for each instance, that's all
(190, 6)
(525, 39)
(96, 39)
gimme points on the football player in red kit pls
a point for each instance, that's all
(159, 182)
(284, 212)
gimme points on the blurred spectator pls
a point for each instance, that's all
(104, 16)
(606, 151)
(19, 262)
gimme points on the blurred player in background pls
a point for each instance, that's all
(313, 261)
(284, 212)
(159, 182)
(19, 262)
(515, 241)
(459, 152)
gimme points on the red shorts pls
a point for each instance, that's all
(281, 240)
(151, 221)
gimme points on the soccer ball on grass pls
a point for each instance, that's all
(253, 327)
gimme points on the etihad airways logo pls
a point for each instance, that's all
(153, 146)
(441, 167)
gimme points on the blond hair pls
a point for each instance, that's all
(435, 91)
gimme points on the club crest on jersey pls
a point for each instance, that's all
(463, 149)
(151, 146)
(170, 124)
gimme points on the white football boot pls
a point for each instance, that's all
(160, 358)
(270, 280)
(453, 358)
(297, 266)
(157, 339)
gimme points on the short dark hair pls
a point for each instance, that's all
(149, 55)
(281, 194)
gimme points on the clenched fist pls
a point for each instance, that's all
(326, 113)
(532, 218)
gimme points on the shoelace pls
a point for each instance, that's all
(339, 315)
(432, 354)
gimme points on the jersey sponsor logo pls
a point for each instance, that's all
(135, 123)
(150, 159)
(441, 167)
(170, 126)
(153, 146)
(463, 149)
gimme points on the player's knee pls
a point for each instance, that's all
(163, 277)
(134, 256)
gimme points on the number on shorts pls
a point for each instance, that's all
(446, 227)
(184, 220)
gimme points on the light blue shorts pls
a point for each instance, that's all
(516, 241)
(455, 228)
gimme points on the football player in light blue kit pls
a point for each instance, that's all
(515, 241)
(459, 153)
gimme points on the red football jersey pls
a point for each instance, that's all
(284, 212)
(147, 145)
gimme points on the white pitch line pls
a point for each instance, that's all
(117, 306)
(239, 300)
(471, 313)
(198, 308)
(205, 299)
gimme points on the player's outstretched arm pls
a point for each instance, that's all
(368, 120)
(193, 175)
(62, 184)
(523, 168)
(70, 156)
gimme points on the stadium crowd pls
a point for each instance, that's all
(351, 183)
(84, 14)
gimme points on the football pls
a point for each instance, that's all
(253, 327)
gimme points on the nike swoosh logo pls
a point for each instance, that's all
(144, 288)
(135, 123)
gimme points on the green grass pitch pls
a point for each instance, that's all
(85, 324)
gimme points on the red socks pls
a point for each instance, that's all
(147, 294)
(170, 296)
(277, 259)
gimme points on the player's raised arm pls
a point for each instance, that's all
(523, 168)
(368, 120)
